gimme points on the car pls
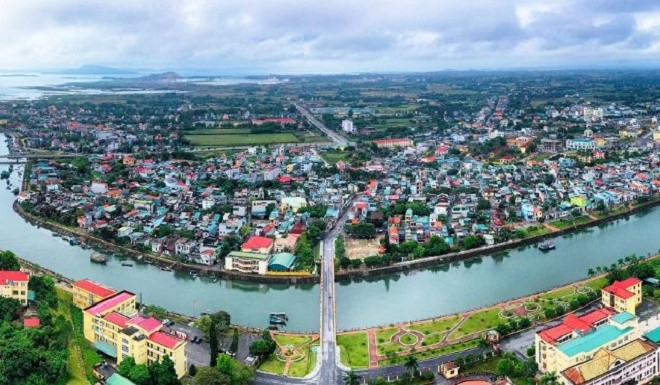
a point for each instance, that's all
(198, 340)
(166, 322)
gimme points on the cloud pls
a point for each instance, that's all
(331, 36)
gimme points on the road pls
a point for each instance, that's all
(337, 138)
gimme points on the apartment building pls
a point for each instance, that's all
(247, 262)
(115, 328)
(577, 339)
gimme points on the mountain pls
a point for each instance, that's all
(163, 77)
(90, 69)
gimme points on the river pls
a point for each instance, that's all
(376, 301)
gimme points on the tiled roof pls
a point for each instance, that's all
(109, 303)
(94, 288)
(19, 276)
(164, 339)
(603, 361)
(117, 319)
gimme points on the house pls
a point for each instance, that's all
(623, 295)
(87, 292)
(261, 245)
(577, 339)
(449, 370)
(14, 284)
(247, 262)
(113, 327)
(292, 203)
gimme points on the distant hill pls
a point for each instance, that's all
(90, 69)
(162, 77)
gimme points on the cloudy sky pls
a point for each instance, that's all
(311, 36)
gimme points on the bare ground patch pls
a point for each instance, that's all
(362, 248)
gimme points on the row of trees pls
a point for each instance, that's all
(161, 373)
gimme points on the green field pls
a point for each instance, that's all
(354, 349)
(241, 140)
(221, 131)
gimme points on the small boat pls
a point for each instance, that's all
(15, 191)
(98, 258)
(127, 264)
(56, 235)
(278, 318)
(547, 246)
(74, 241)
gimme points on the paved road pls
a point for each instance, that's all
(328, 372)
(337, 138)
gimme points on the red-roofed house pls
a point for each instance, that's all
(395, 142)
(623, 295)
(261, 245)
(87, 292)
(32, 322)
(14, 284)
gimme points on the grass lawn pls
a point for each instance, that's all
(241, 140)
(597, 284)
(433, 338)
(540, 230)
(433, 352)
(220, 131)
(355, 351)
(435, 326)
(559, 293)
(272, 365)
(333, 157)
(387, 347)
(490, 366)
(483, 320)
(292, 340)
(408, 339)
(564, 223)
(385, 335)
(304, 367)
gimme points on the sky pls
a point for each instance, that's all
(331, 36)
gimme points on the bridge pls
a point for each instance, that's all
(336, 137)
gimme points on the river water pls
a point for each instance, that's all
(377, 301)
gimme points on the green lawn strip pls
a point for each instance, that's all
(241, 140)
(219, 131)
(303, 367)
(541, 230)
(384, 349)
(433, 338)
(599, 283)
(433, 352)
(385, 335)
(564, 223)
(408, 339)
(355, 353)
(77, 374)
(480, 321)
(557, 294)
(272, 365)
(292, 340)
(333, 157)
(435, 326)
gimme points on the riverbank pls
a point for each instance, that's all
(416, 264)
(370, 348)
(432, 261)
(157, 260)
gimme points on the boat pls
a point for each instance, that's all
(98, 258)
(278, 318)
(73, 241)
(55, 235)
(127, 264)
(547, 246)
(15, 191)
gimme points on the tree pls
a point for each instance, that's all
(352, 379)
(472, 241)
(233, 348)
(505, 366)
(213, 342)
(211, 376)
(9, 308)
(140, 375)
(549, 379)
(8, 261)
(412, 365)
(163, 372)
(238, 373)
(126, 366)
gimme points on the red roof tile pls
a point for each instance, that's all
(17, 276)
(109, 303)
(31, 322)
(257, 243)
(117, 319)
(620, 288)
(164, 339)
(94, 288)
(148, 324)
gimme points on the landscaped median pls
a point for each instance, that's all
(295, 355)
(388, 345)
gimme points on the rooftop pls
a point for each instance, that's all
(94, 288)
(591, 341)
(164, 339)
(109, 303)
(7, 276)
(622, 317)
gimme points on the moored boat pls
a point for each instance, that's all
(98, 258)
(547, 246)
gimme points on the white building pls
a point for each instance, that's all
(245, 262)
(580, 144)
(347, 126)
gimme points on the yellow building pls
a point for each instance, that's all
(577, 339)
(14, 284)
(87, 292)
(115, 328)
(623, 295)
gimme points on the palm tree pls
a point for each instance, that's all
(411, 365)
(591, 272)
(352, 379)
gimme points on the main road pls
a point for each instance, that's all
(337, 138)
